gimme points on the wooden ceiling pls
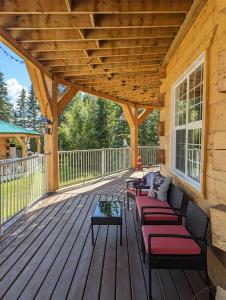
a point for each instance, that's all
(115, 47)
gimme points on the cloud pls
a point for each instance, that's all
(14, 88)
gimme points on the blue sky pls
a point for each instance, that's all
(16, 75)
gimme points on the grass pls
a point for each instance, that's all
(17, 194)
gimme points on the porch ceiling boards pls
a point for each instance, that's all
(49, 254)
(113, 47)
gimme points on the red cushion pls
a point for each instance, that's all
(135, 191)
(169, 245)
(147, 201)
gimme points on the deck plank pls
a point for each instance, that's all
(23, 255)
(80, 230)
(123, 288)
(55, 254)
(49, 255)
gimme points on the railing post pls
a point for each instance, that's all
(103, 162)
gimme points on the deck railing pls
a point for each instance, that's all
(81, 165)
(22, 182)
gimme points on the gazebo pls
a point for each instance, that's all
(22, 135)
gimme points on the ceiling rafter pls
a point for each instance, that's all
(110, 47)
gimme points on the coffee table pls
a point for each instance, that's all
(107, 212)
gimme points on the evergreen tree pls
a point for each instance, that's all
(6, 109)
(21, 109)
(92, 123)
(32, 110)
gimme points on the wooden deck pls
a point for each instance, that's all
(49, 254)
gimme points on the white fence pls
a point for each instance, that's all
(22, 182)
(82, 165)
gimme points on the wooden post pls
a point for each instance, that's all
(51, 145)
(131, 114)
(134, 139)
(38, 145)
(23, 143)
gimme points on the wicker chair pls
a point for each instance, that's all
(177, 246)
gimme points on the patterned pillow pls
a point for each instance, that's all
(150, 178)
(160, 187)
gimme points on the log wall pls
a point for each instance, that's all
(208, 34)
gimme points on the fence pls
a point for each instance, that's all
(148, 154)
(22, 182)
(82, 165)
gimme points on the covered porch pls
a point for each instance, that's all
(142, 55)
(49, 254)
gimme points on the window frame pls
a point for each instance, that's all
(193, 125)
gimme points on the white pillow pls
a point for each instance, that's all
(160, 187)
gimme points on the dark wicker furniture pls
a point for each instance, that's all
(177, 246)
(107, 212)
(154, 211)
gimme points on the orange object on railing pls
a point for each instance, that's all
(139, 163)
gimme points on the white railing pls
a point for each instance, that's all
(81, 165)
(148, 154)
(22, 182)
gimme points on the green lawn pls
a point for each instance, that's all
(17, 194)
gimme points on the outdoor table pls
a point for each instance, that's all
(107, 212)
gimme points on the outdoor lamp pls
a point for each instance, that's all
(45, 125)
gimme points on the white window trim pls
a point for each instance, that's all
(193, 183)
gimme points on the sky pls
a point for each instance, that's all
(15, 73)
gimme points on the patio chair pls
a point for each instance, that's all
(154, 211)
(137, 187)
(177, 246)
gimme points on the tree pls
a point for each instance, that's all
(21, 109)
(32, 110)
(92, 123)
(148, 130)
(6, 108)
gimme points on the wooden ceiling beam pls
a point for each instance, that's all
(92, 34)
(100, 53)
(142, 116)
(95, 6)
(80, 70)
(87, 21)
(64, 100)
(123, 72)
(131, 76)
(125, 6)
(193, 13)
(91, 45)
(104, 66)
(10, 42)
(68, 4)
(104, 54)
(99, 94)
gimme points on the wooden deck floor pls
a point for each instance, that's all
(49, 254)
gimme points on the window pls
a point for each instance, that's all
(187, 128)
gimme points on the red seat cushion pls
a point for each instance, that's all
(147, 201)
(135, 191)
(169, 245)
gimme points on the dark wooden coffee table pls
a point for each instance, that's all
(107, 212)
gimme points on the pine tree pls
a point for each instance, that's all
(6, 109)
(32, 110)
(21, 109)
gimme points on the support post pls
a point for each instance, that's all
(131, 114)
(51, 145)
(23, 143)
(38, 145)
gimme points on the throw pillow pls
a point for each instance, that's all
(160, 187)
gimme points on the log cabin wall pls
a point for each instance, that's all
(208, 34)
(4, 148)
